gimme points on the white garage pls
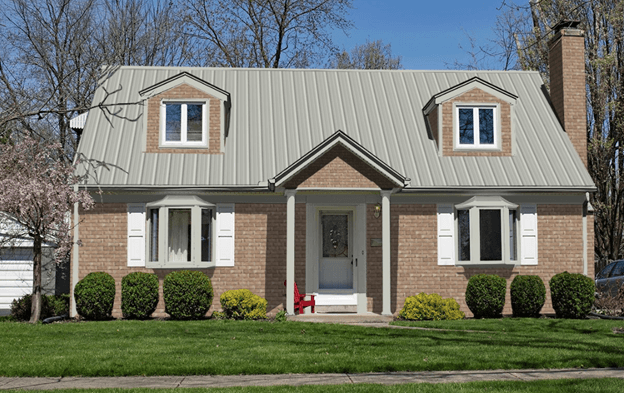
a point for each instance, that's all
(16, 276)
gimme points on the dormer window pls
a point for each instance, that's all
(476, 127)
(183, 124)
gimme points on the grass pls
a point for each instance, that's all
(606, 385)
(118, 348)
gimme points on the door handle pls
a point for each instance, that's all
(355, 262)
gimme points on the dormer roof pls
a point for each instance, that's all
(184, 78)
(467, 85)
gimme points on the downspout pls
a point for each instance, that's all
(75, 260)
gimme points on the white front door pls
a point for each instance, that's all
(336, 272)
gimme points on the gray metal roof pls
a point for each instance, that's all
(278, 115)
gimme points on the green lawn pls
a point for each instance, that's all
(556, 386)
(241, 347)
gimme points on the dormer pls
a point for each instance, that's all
(472, 118)
(186, 114)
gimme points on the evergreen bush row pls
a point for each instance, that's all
(187, 295)
(572, 297)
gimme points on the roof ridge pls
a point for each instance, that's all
(240, 69)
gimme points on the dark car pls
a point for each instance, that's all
(610, 279)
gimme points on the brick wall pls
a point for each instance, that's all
(341, 169)
(567, 85)
(260, 258)
(414, 255)
(476, 96)
(183, 91)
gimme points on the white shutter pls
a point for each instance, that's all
(446, 235)
(528, 234)
(225, 234)
(136, 234)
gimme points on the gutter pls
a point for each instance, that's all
(489, 190)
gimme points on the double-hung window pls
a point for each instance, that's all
(476, 127)
(487, 231)
(183, 124)
(180, 232)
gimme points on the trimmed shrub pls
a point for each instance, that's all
(139, 295)
(21, 308)
(528, 295)
(59, 304)
(572, 295)
(485, 295)
(95, 295)
(243, 304)
(430, 307)
(188, 294)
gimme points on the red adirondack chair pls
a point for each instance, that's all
(300, 301)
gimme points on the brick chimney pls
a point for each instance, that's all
(566, 58)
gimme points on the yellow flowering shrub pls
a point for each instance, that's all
(430, 307)
(243, 304)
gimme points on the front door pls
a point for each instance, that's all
(336, 254)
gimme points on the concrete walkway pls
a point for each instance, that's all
(214, 381)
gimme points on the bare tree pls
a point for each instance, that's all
(144, 32)
(373, 55)
(265, 33)
(48, 64)
(53, 59)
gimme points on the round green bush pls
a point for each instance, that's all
(188, 294)
(430, 307)
(528, 295)
(485, 295)
(572, 295)
(139, 295)
(95, 295)
(243, 304)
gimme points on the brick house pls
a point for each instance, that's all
(364, 187)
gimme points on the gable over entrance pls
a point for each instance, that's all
(339, 162)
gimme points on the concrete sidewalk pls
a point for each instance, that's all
(214, 381)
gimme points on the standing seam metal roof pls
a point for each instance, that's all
(278, 115)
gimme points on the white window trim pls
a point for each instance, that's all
(194, 204)
(183, 126)
(476, 204)
(477, 144)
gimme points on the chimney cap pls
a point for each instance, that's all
(566, 24)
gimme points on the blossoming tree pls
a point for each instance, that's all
(37, 193)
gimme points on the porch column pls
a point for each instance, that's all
(75, 263)
(385, 251)
(290, 251)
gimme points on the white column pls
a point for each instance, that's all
(385, 252)
(75, 260)
(290, 251)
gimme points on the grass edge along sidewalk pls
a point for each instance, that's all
(552, 385)
(124, 348)
(444, 377)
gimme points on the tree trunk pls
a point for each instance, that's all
(35, 313)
